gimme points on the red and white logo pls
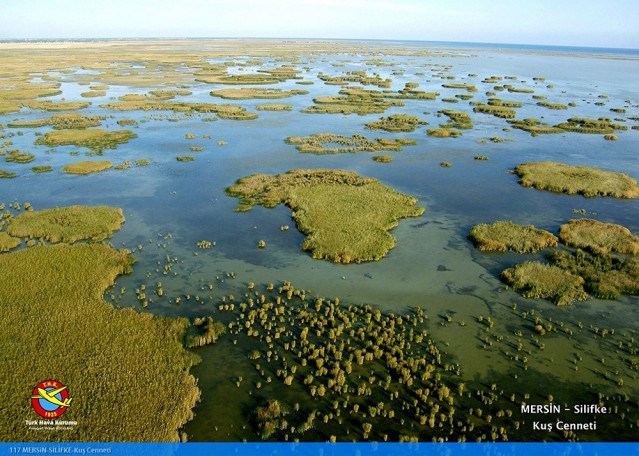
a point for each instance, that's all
(50, 399)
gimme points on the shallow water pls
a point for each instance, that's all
(169, 206)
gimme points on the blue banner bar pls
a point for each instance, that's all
(321, 449)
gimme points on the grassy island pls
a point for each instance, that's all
(599, 126)
(45, 288)
(61, 122)
(16, 156)
(396, 123)
(346, 218)
(604, 276)
(7, 174)
(599, 237)
(352, 101)
(503, 236)
(444, 132)
(274, 107)
(94, 138)
(537, 280)
(497, 111)
(382, 158)
(582, 180)
(457, 119)
(87, 167)
(223, 111)
(328, 143)
(67, 224)
(535, 127)
(260, 93)
(549, 105)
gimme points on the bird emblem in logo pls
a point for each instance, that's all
(50, 399)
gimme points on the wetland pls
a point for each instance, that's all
(360, 263)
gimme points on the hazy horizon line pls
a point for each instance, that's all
(187, 38)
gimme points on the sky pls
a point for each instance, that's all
(610, 23)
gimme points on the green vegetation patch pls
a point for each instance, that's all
(604, 276)
(444, 132)
(352, 101)
(497, 111)
(127, 122)
(62, 122)
(15, 156)
(41, 169)
(74, 121)
(454, 85)
(549, 105)
(535, 127)
(62, 287)
(582, 180)
(503, 236)
(248, 93)
(7, 174)
(67, 224)
(599, 126)
(359, 77)
(48, 105)
(599, 237)
(513, 89)
(218, 75)
(329, 143)
(94, 138)
(541, 281)
(382, 158)
(224, 111)
(8, 242)
(410, 92)
(87, 167)
(93, 93)
(346, 218)
(457, 119)
(505, 103)
(397, 123)
(274, 107)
